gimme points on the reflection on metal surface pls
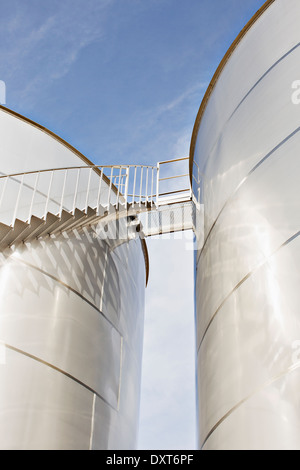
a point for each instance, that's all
(215, 78)
(67, 286)
(244, 163)
(34, 358)
(293, 237)
(93, 423)
(72, 250)
(273, 379)
(72, 256)
(269, 154)
(71, 301)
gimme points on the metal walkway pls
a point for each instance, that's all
(42, 203)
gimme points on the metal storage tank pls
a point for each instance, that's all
(71, 306)
(244, 158)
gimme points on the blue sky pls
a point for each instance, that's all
(122, 81)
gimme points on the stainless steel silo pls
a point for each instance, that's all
(71, 312)
(245, 160)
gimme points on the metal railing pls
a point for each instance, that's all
(174, 192)
(36, 193)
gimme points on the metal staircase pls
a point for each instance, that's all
(47, 202)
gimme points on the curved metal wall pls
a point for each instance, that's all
(27, 147)
(246, 151)
(71, 326)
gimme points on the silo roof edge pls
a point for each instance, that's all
(216, 76)
(83, 158)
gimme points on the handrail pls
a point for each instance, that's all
(32, 172)
(54, 190)
(175, 160)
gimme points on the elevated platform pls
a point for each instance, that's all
(48, 202)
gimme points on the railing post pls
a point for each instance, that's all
(76, 190)
(126, 185)
(17, 202)
(88, 190)
(48, 195)
(99, 191)
(33, 195)
(118, 192)
(152, 184)
(110, 185)
(134, 183)
(141, 186)
(63, 193)
(157, 182)
(147, 174)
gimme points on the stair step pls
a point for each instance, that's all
(61, 221)
(77, 217)
(24, 231)
(35, 223)
(45, 229)
(80, 218)
(4, 231)
(110, 209)
(18, 228)
(92, 216)
(91, 212)
(140, 205)
(101, 211)
(123, 207)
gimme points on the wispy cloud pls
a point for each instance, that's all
(177, 101)
(165, 129)
(40, 48)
